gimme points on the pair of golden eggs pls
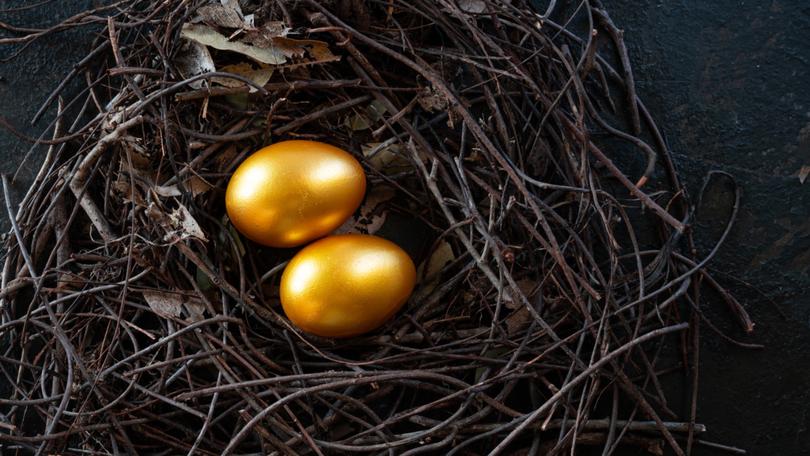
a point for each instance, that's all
(293, 192)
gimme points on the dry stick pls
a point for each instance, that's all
(528, 420)
(381, 377)
(303, 120)
(299, 84)
(79, 179)
(617, 36)
(602, 424)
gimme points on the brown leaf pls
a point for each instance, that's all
(364, 120)
(527, 286)
(372, 214)
(518, 320)
(318, 51)
(430, 270)
(171, 305)
(432, 100)
(441, 257)
(197, 185)
(263, 36)
(386, 158)
(222, 16)
(258, 76)
(165, 304)
(206, 35)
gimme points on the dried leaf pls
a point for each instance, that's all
(433, 101)
(197, 185)
(472, 6)
(206, 35)
(441, 257)
(234, 4)
(527, 286)
(372, 214)
(194, 59)
(803, 173)
(386, 158)
(131, 195)
(221, 15)
(430, 270)
(171, 305)
(258, 76)
(165, 304)
(195, 310)
(357, 122)
(167, 190)
(184, 225)
(264, 35)
(318, 50)
(373, 113)
(518, 320)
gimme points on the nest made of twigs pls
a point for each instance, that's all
(555, 285)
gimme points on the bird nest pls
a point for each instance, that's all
(506, 150)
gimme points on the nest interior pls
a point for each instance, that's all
(505, 149)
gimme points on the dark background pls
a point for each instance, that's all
(729, 82)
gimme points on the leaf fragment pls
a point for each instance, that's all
(194, 59)
(184, 225)
(165, 304)
(167, 190)
(221, 15)
(388, 158)
(472, 6)
(171, 305)
(259, 76)
(206, 35)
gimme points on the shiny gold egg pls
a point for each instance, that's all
(292, 192)
(346, 285)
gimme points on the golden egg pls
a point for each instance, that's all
(346, 285)
(292, 192)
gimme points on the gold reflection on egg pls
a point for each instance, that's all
(346, 285)
(292, 192)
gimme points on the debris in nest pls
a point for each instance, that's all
(228, 16)
(432, 101)
(366, 118)
(372, 213)
(197, 185)
(472, 6)
(183, 225)
(208, 36)
(429, 272)
(386, 157)
(259, 46)
(803, 173)
(259, 76)
(194, 60)
(167, 190)
(526, 286)
(172, 305)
